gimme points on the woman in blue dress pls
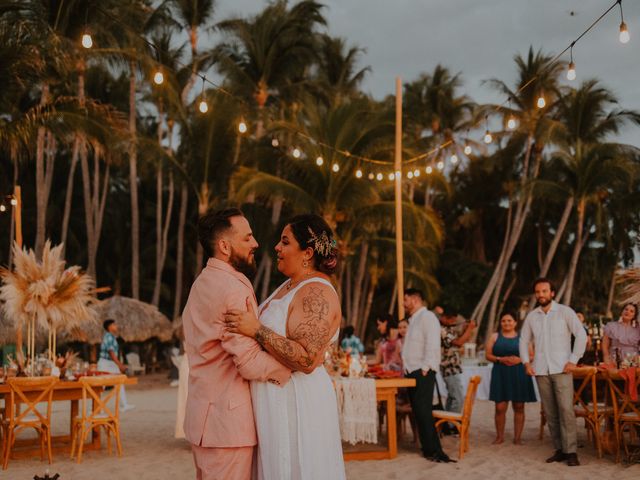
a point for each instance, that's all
(509, 382)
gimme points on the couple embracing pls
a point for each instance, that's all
(256, 374)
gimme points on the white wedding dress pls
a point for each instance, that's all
(298, 430)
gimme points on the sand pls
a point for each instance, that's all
(151, 452)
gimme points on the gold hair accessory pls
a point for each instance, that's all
(321, 243)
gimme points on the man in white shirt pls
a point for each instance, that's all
(549, 327)
(421, 361)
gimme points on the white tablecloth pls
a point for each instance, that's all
(469, 371)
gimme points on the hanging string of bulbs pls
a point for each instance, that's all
(296, 153)
(7, 200)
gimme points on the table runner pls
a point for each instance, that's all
(357, 409)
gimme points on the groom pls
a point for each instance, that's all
(219, 414)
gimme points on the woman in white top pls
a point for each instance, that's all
(297, 425)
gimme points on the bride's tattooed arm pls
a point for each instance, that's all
(310, 331)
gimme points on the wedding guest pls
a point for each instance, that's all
(621, 337)
(421, 360)
(350, 343)
(509, 382)
(392, 348)
(382, 325)
(109, 360)
(450, 366)
(403, 325)
(549, 328)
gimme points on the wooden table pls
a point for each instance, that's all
(63, 391)
(386, 391)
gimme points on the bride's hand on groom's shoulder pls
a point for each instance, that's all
(243, 322)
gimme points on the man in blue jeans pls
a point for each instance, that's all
(421, 361)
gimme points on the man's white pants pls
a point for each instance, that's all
(111, 367)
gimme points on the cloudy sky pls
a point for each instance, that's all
(480, 38)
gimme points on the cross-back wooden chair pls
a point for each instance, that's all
(586, 405)
(28, 392)
(101, 415)
(626, 412)
(460, 420)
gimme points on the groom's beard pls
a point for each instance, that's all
(245, 265)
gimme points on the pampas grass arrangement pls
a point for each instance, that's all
(45, 294)
(630, 281)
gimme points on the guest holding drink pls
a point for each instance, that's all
(509, 382)
(621, 338)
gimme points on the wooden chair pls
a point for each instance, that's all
(626, 412)
(28, 391)
(460, 420)
(586, 405)
(100, 416)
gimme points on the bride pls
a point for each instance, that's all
(298, 431)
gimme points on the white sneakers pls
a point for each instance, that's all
(126, 408)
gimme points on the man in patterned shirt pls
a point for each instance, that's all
(450, 366)
(109, 360)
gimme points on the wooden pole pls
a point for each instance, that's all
(17, 218)
(398, 198)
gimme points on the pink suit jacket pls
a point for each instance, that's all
(219, 412)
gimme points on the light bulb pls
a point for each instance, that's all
(335, 167)
(416, 172)
(429, 169)
(371, 176)
(379, 176)
(203, 107)
(14, 201)
(392, 176)
(571, 72)
(275, 142)
(358, 173)
(467, 150)
(409, 175)
(319, 161)
(624, 33)
(158, 78)
(454, 159)
(487, 137)
(87, 41)
(296, 153)
(511, 123)
(440, 165)
(3, 208)
(541, 102)
(242, 127)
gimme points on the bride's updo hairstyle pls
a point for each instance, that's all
(312, 231)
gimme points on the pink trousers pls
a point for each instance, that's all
(223, 463)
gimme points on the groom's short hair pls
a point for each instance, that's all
(212, 225)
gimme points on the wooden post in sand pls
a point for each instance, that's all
(398, 198)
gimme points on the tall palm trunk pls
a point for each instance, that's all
(203, 204)
(276, 212)
(182, 221)
(44, 174)
(354, 314)
(12, 229)
(133, 186)
(575, 256)
(612, 289)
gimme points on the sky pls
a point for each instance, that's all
(479, 39)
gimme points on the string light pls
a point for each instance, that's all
(428, 170)
(203, 107)
(274, 142)
(440, 165)
(392, 176)
(14, 201)
(454, 159)
(541, 102)
(467, 150)
(371, 176)
(319, 161)
(416, 172)
(158, 78)
(571, 71)
(3, 207)
(335, 167)
(87, 41)
(409, 175)
(358, 173)
(487, 135)
(379, 177)
(624, 33)
(242, 127)
(296, 153)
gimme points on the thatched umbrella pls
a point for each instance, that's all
(630, 292)
(137, 321)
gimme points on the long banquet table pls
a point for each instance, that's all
(386, 391)
(63, 391)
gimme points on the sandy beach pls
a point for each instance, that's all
(151, 452)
